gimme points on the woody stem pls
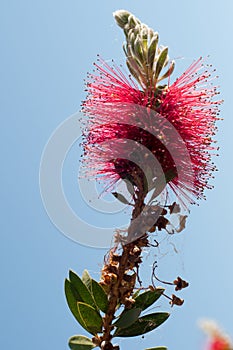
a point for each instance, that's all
(123, 268)
(115, 294)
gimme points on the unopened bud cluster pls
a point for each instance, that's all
(145, 59)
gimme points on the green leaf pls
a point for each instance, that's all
(144, 39)
(132, 70)
(137, 49)
(79, 342)
(99, 295)
(136, 294)
(152, 50)
(120, 198)
(90, 318)
(97, 292)
(86, 278)
(81, 288)
(146, 299)
(143, 325)
(130, 186)
(157, 348)
(72, 299)
(73, 290)
(168, 72)
(127, 318)
(161, 61)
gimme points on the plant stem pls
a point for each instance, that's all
(127, 262)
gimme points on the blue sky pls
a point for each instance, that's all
(46, 49)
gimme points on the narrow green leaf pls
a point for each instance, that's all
(72, 301)
(86, 278)
(132, 71)
(90, 317)
(168, 72)
(136, 294)
(161, 61)
(74, 291)
(120, 198)
(152, 50)
(157, 348)
(130, 186)
(146, 299)
(144, 35)
(143, 325)
(136, 70)
(132, 21)
(127, 318)
(81, 288)
(137, 49)
(80, 342)
(99, 295)
(97, 292)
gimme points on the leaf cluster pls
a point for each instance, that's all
(88, 303)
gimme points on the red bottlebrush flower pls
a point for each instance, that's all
(175, 123)
(219, 344)
(218, 340)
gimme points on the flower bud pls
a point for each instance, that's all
(121, 17)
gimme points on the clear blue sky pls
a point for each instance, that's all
(46, 49)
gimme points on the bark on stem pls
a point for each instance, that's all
(128, 260)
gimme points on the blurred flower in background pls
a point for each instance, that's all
(217, 338)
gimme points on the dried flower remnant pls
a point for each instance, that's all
(180, 284)
(176, 301)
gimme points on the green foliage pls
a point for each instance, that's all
(90, 318)
(145, 59)
(127, 318)
(157, 348)
(152, 50)
(82, 289)
(86, 297)
(83, 305)
(146, 299)
(161, 61)
(143, 325)
(136, 293)
(97, 292)
(86, 279)
(79, 342)
(100, 296)
(72, 299)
